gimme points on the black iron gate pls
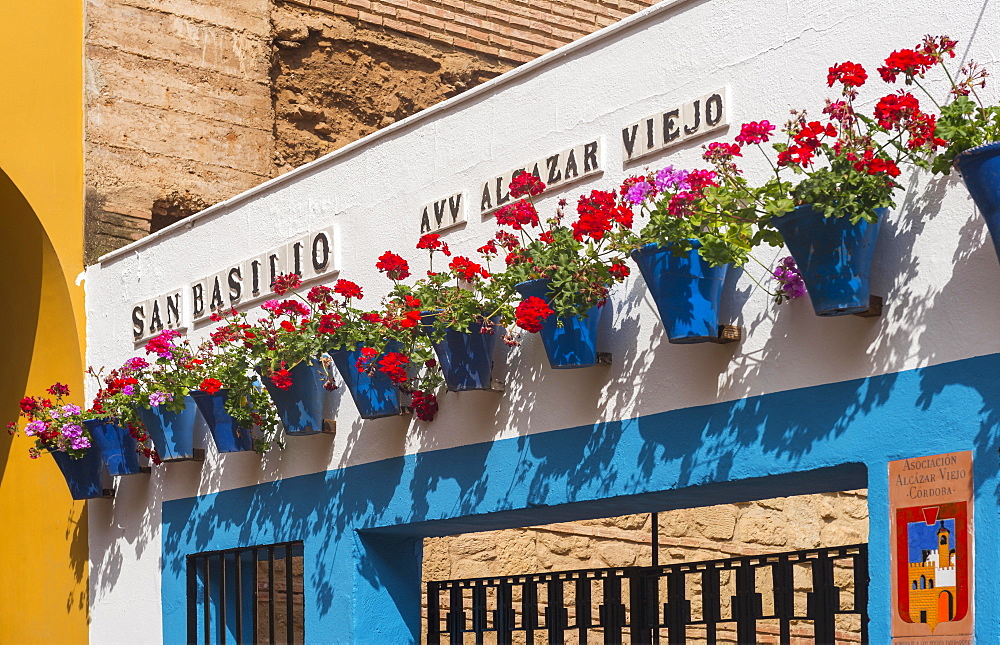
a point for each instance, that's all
(816, 594)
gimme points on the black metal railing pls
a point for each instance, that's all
(819, 594)
(246, 595)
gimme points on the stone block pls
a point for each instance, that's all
(157, 131)
(115, 75)
(175, 38)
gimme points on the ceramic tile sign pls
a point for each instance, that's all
(311, 256)
(673, 126)
(930, 506)
(554, 170)
(442, 214)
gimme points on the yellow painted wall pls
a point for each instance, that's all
(43, 533)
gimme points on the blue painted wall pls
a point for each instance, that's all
(362, 525)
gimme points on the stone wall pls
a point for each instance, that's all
(189, 102)
(178, 103)
(689, 535)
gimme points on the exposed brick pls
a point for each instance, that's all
(406, 14)
(360, 4)
(370, 17)
(432, 23)
(347, 12)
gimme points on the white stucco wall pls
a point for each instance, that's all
(934, 264)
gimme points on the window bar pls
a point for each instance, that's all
(583, 615)
(824, 601)
(222, 597)
(861, 588)
(270, 593)
(745, 603)
(289, 598)
(479, 611)
(192, 604)
(208, 599)
(612, 611)
(677, 609)
(254, 554)
(456, 616)
(711, 603)
(640, 623)
(503, 617)
(239, 596)
(529, 609)
(556, 612)
(433, 614)
(783, 583)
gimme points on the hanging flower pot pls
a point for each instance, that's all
(300, 407)
(172, 432)
(834, 257)
(115, 445)
(226, 432)
(574, 344)
(980, 169)
(375, 395)
(466, 358)
(84, 475)
(686, 290)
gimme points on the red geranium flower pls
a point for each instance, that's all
(619, 270)
(329, 323)
(431, 241)
(348, 289)
(58, 389)
(517, 215)
(850, 74)
(530, 313)
(908, 62)
(393, 266)
(286, 282)
(467, 269)
(526, 184)
(281, 379)
(424, 405)
(393, 365)
(367, 354)
(210, 385)
(490, 248)
(319, 295)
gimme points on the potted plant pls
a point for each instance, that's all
(60, 429)
(967, 130)
(697, 224)
(157, 395)
(848, 166)
(284, 347)
(461, 309)
(382, 351)
(232, 402)
(563, 272)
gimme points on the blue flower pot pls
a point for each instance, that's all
(466, 358)
(115, 445)
(686, 291)
(172, 432)
(226, 432)
(834, 257)
(83, 476)
(980, 168)
(572, 345)
(375, 396)
(300, 407)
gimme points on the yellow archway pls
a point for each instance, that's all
(43, 538)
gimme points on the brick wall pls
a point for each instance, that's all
(512, 30)
(178, 110)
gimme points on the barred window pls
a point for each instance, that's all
(247, 595)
